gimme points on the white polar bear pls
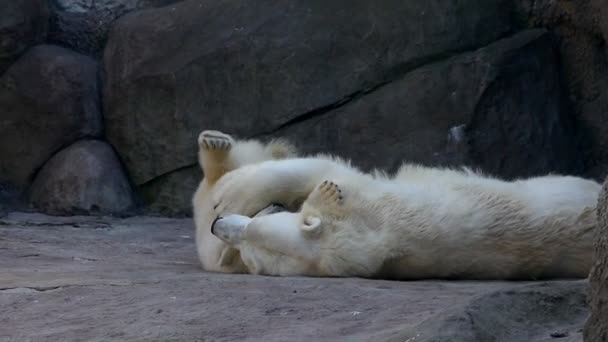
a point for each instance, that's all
(422, 223)
(218, 154)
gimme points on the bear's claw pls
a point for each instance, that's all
(328, 192)
(214, 140)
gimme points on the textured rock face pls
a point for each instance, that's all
(272, 60)
(596, 329)
(382, 84)
(436, 82)
(171, 194)
(580, 31)
(499, 108)
(84, 178)
(23, 23)
(49, 99)
(84, 24)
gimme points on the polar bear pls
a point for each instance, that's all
(422, 223)
(218, 154)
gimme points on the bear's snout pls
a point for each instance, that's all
(230, 228)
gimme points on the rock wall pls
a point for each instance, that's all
(514, 88)
(23, 23)
(580, 31)
(83, 25)
(596, 329)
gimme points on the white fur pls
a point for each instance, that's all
(422, 223)
(218, 154)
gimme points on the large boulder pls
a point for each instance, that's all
(596, 329)
(580, 31)
(23, 23)
(251, 68)
(85, 178)
(171, 194)
(49, 98)
(499, 108)
(83, 25)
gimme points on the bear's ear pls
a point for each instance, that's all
(311, 226)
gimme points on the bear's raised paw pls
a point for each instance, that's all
(214, 141)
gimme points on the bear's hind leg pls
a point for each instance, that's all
(326, 200)
(326, 193)
(214, 147)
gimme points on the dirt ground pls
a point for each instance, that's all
(138, 279)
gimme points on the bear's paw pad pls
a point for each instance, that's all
(214, 140)
(329, 193)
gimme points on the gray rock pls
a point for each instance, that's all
(10, 199)
(23, 23)
(49, 99)
(251, 68)
(84, 278)
(601, 9)
(596, 329)
(171, 194)
(82, 6)
(83, 25)
(512, 314)
(86, 177)
(499, 108)
(580, 32)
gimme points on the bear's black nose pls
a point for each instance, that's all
(213, 224)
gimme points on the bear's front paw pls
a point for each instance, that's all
(238, 193)
(214, 141)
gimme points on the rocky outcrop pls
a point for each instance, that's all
(377, 89)
(85, 178)
(596, 329)
(499, 108)
(83, 25)
(580, 32)
(23, 23)
(434, 82)
(171, 194)
(252, 69)
(49, 99)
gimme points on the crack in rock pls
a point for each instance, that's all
(397, 72)
(92, 225)
(21, 289)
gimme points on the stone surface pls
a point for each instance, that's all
(596, 329)
(171, 194)
(49, 99)
(249, 69)
(84, 278)
(83, 25)
(580, 31)
(23, 23)
(499, 108)
(85, 177)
